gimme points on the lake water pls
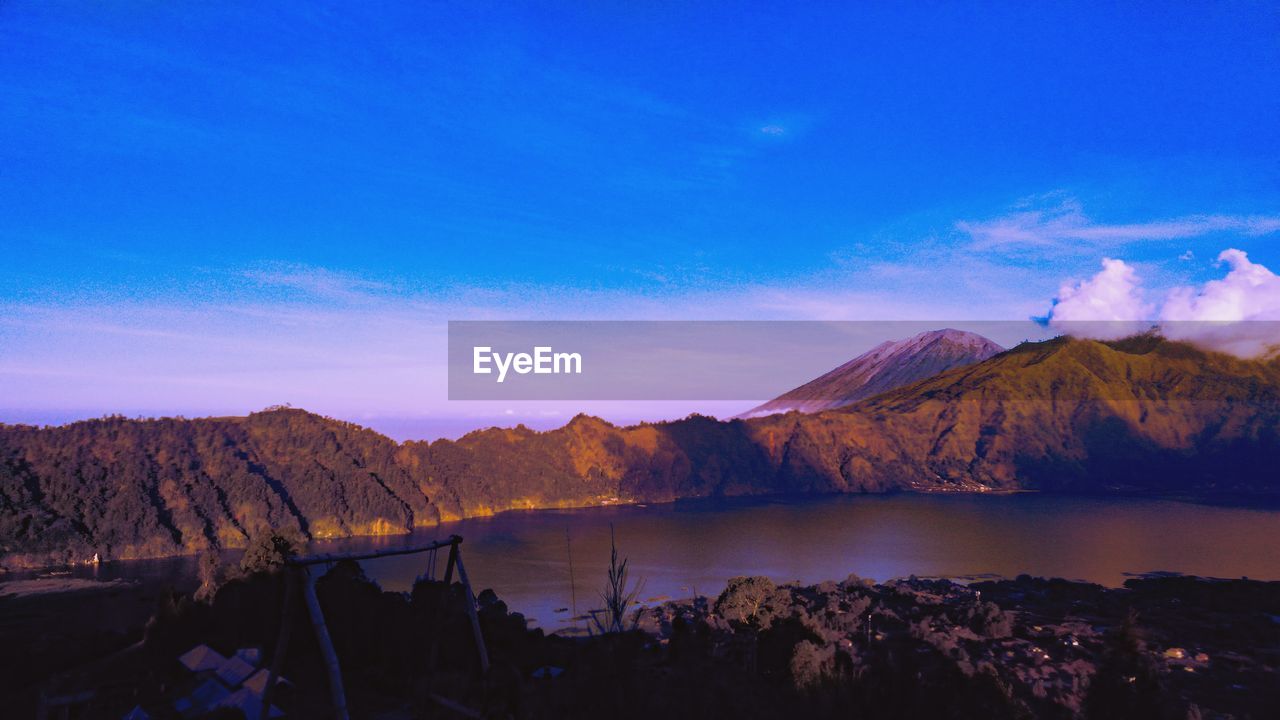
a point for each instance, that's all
(694, 547)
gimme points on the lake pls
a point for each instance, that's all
(695, 546)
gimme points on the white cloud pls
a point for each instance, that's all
(1107, 306)
(1239, 313)
(1249, 292)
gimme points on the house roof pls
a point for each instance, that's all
(207, 695)
(248, 703)
(233, 671)
(257, 682)
(202, 657)
(137, 713)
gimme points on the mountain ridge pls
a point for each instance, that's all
(1139, 415)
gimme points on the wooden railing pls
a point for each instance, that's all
(298, 575)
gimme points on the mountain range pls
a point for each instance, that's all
(1137, 415)
(887, 366)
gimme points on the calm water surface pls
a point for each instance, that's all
(696, 546)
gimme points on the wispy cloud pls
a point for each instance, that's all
(319, 282)
(1065, 226)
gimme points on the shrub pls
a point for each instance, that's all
(617, 595)
(752, 601)
(811, 663)
(269, 548)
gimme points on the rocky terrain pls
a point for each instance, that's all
(1172, 648)
(1141, 415)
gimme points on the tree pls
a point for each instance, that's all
(811, 663)
(212, 573)
(752, 601)
(269, 548)
(1127, 685)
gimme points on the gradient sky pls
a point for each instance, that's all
(213, 207)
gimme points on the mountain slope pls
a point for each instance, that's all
(1080, 415)
(1141, 415)
(885, 367)
(129, 488)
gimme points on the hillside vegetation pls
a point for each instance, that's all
(1142, 414)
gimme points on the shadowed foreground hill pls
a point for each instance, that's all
(1137, 415)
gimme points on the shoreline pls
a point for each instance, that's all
(36, 587)
(1265, 502)
(1260, 502)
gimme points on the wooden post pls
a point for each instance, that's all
(300, 575)
(291, 581)
(573, 590)
(453, 559)
(433, 654)
(475, 619)
(326, 647)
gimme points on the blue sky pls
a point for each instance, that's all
(214, 207)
